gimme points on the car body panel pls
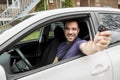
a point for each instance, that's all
(82, 69)
(103, 65)
(2, 73)
(114, 54)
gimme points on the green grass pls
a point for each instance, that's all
(34, 35)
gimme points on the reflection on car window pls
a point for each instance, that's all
(112, 22)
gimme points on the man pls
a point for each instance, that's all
(75, 46)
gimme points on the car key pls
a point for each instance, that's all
(102, 28)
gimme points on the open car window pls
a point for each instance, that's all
(37, 49)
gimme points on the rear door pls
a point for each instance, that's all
(112, 21)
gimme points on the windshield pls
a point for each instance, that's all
(13, 23)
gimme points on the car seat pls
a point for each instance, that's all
(84, 33)
(50, 53)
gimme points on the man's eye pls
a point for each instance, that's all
(74, 29)
(66, 28)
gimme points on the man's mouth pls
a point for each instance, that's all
(70, 37)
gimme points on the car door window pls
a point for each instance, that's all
(112, 22)
(32, 36)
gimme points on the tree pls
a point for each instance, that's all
(40, 6)
(67, 3)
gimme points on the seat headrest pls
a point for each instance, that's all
(59, 33)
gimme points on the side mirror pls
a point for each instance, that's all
(2, 73)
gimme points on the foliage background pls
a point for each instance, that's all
(67, 3)
(40, 6)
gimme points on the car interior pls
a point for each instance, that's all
(31, 54)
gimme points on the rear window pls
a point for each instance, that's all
(112, 22)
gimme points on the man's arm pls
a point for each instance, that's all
(100, 42)
(55, 60)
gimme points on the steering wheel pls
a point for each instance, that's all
(23, 58)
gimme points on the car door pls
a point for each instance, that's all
(92, 67)
(112, 21)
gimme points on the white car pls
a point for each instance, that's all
(27, 51)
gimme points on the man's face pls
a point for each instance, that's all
(71, 31)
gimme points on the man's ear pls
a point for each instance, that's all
(78, 30)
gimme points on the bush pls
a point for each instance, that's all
(67, 3)
(40, 6)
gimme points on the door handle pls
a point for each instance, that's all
(100, 70)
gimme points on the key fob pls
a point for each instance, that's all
(102, 28)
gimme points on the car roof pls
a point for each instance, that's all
(61, 10)
(42, 14)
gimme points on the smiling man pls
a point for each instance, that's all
(74, 46)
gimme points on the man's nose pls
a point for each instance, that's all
(70, 31)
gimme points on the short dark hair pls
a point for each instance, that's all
(71, 20)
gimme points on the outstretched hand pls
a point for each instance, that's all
(102, 40)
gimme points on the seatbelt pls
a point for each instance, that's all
(64, 53)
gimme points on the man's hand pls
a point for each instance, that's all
(102, 40)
